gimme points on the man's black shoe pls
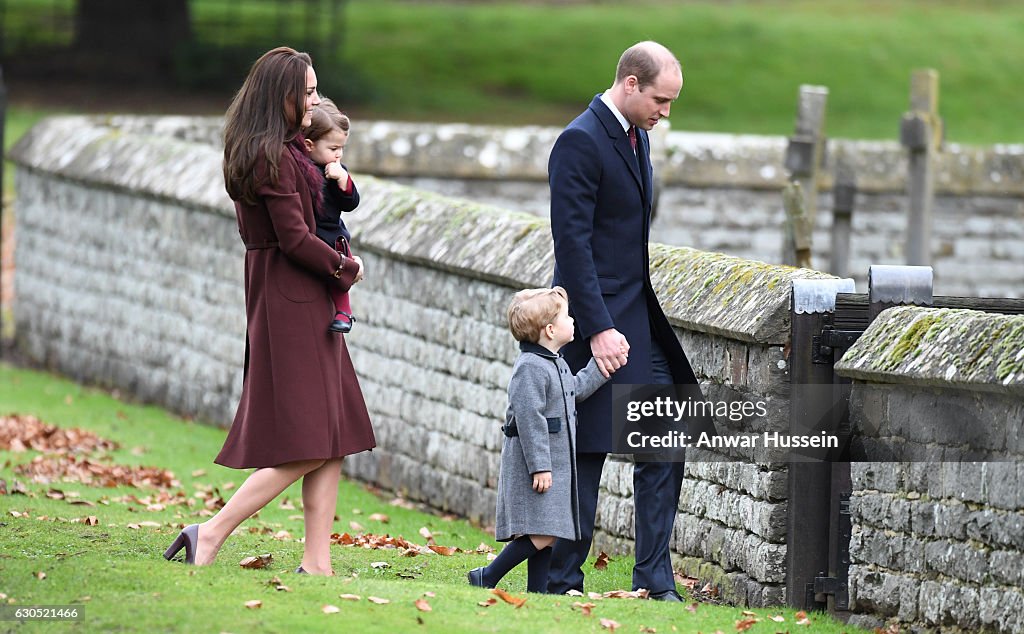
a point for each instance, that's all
(665, 595)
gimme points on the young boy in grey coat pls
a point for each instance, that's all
(537, 499)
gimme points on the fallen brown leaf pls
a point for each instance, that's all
(378, 600)
(254, 604)
(330, 609)
(778, 618)
(692, 608)
(356, 526)
(748, 613)
(349, 597)
(39, 575)
(488, 603)
(602, 561)
(508, 598)
(745, 624)
(687, 582)
(427, 535)
(422, 605)
(379, 517)
(447, 551)
(648, 630)
(483, 549)
(198, 473)
(574, 593)
(257, 562)
(584, 608)
(282, 536)
(380, 564)
(609, 624)
(92, 520)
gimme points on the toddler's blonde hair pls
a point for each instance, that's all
(532, 309)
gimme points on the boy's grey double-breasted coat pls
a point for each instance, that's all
(542, 396)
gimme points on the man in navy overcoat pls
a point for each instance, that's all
(601, 190)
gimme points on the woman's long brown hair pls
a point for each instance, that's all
(257, 123)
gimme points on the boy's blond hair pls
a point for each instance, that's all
(532, 309)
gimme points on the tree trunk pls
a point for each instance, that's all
(126, 38)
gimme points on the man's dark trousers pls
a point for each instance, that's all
(656, 487)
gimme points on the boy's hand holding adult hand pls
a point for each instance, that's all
(611, 350)
(541, 481)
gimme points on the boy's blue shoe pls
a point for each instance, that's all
(476, 578)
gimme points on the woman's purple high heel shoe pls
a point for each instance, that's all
(188, 539)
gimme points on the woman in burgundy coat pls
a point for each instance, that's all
(301, 409)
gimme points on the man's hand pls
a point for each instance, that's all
(541, 481)
(611, 350)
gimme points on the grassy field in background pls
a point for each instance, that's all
(514, 63)
(116, 571)
(504, 62)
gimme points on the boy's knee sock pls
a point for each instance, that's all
(537, 567)
(513, 554)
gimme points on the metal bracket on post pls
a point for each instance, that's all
(894, 285)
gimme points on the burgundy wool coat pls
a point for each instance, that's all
(300, 396)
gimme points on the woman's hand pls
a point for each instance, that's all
(541, 481)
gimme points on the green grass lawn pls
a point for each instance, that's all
(518, 63)
(117, 573)
(743, 60)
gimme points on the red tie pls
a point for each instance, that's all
(632, 137)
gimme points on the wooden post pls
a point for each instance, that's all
(798, 225)
(921, 132)
(803, 156)
(659, 160)
(844, 191)
(809, 481)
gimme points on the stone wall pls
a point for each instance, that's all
(147, 297)
(720, 192)
(144, 293)
(939, 541)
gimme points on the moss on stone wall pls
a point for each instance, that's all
(940, 347)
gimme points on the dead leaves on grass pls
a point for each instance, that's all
(20, 432)
(257, 562)
(47, 469)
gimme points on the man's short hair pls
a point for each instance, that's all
(640, 61)
(532, 309)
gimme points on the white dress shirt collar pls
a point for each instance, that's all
(607, 99)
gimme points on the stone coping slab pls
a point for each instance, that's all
(698, 159)
(701, 291)
(940, 347)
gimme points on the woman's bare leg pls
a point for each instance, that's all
(319, 501)
(256, 492)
